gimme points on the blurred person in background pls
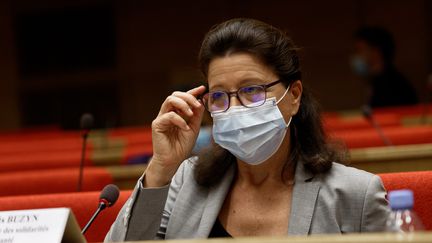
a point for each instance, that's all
(373, 60)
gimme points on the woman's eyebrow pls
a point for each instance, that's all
(242, 83)
(218, 87)
(251, 81)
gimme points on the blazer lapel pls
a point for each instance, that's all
(305, 193)
(196, 211)
(214, 202)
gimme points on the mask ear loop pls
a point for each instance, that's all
(289, 122)
(277, 102)
(283, 96)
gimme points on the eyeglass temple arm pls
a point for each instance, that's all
(272, 83)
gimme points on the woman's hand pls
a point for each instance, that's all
(174, 132)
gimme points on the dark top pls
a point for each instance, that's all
(391, 88)
(218, 231)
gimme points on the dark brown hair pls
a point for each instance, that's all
(275, 49)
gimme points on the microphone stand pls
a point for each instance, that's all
(367, 113)
(83, 153)
(102, 206)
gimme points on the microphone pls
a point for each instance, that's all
(367, 113)
(86, 124)
(107, 198)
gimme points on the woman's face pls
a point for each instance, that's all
(231, 72)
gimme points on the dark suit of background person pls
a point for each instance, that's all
(373, 61)
(250, 183)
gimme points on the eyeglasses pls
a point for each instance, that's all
(249, 96)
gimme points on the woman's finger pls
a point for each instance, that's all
(190, 99)
(173, 103)
(167, 120)
(195, 121)
(197, 91)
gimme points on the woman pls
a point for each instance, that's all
(271, 172)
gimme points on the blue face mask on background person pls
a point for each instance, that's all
(360, 66)
(253, 135)
(203, 141)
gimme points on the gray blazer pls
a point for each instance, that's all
(342, 200)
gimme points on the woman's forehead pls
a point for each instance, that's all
(237, 68)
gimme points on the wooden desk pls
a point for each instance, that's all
(351, 238)
(376, 160)
(126, 176)
(415, 157)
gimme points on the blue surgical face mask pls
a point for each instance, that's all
(360, 66)
(253, 135)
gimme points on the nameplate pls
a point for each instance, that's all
(52, 225)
